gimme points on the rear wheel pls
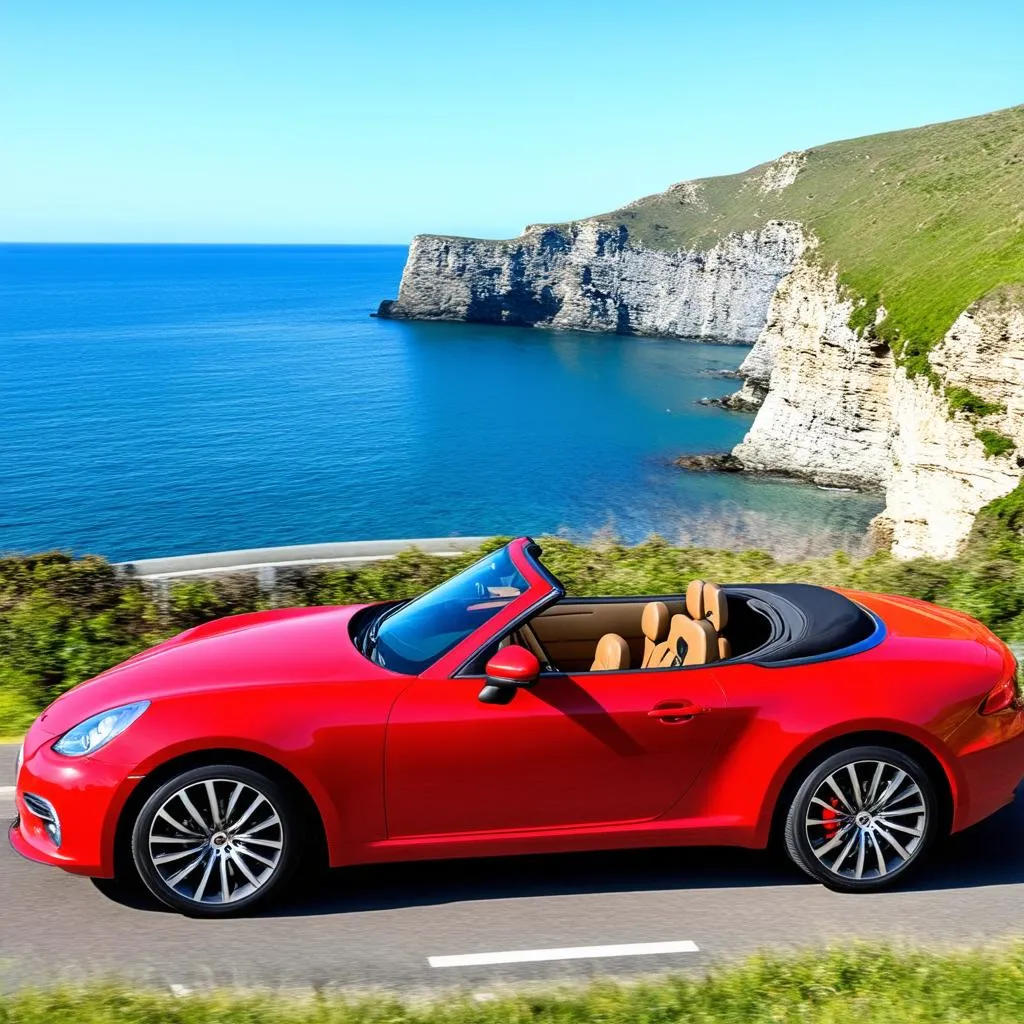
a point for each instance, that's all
(862, 819)
(215, 840)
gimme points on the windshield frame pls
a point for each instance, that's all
(542, 589)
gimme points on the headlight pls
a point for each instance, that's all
(19, 763)
(99, 730)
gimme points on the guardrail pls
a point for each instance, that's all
(265, 562)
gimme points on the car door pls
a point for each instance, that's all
(579, 749)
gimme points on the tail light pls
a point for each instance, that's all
(1006, 694)
(1001, 697)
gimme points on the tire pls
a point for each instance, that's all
(214, 863)
(878, 836)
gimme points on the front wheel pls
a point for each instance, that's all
(862, 819)
(215, 840)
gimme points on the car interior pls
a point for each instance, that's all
(618, 634)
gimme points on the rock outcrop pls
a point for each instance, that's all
(943, 474)
(825, 414)
(839, 411)
(589, 277)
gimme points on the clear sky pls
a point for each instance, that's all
(315, 121)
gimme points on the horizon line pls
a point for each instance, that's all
(307, 245)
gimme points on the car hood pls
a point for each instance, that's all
(272, 647)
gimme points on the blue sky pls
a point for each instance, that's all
(312, 121)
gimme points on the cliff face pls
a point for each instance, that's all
(943, 474)
(838, 411)
(590, 277)
(825, 414)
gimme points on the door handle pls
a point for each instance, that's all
(676, 712)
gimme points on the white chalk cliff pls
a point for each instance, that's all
(588, 277)
(942, 475)
(836, 409)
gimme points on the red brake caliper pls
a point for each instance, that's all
(830, 815)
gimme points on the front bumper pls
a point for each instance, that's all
(87, 795)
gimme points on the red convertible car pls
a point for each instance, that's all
(495, 715)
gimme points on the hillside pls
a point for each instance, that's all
(924, 221)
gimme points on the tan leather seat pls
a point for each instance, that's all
(695, 599)
(716, 611)
(612, 654)
(696, 638)
(655, 624)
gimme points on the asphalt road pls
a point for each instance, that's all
(377, 927)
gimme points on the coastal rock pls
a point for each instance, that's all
(719, 463)
(832, 405)
(825, 414)
(591, 277)
(738, 401)
(756, 371)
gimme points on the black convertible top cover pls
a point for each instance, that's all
(807, 622)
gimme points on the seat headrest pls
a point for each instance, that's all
(612, 654)
(655, 621)
(716, 607)
(699, 640)
(695, 599)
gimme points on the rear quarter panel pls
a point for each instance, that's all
(923, 681)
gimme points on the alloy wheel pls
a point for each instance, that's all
(216, 841)
(866, 820)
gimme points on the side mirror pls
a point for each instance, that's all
(508, 670)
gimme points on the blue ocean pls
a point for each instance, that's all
(160, 400)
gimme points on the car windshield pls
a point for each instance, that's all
(413, 636)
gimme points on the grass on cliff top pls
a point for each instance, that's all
(857, 985)
(924, 221)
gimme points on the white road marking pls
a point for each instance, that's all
(523, 956)
(6, 792)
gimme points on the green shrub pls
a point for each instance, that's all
(63, 620)
(193, 602)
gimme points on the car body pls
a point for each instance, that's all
(416, 730)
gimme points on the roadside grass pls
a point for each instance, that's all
(855, 985)
(66, 619)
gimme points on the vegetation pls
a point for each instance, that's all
(923, 222)
(859, 985)
(994, 442)
(965, 400)
(865, 313)
(64, 619)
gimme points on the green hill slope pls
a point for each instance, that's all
(924, 221)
